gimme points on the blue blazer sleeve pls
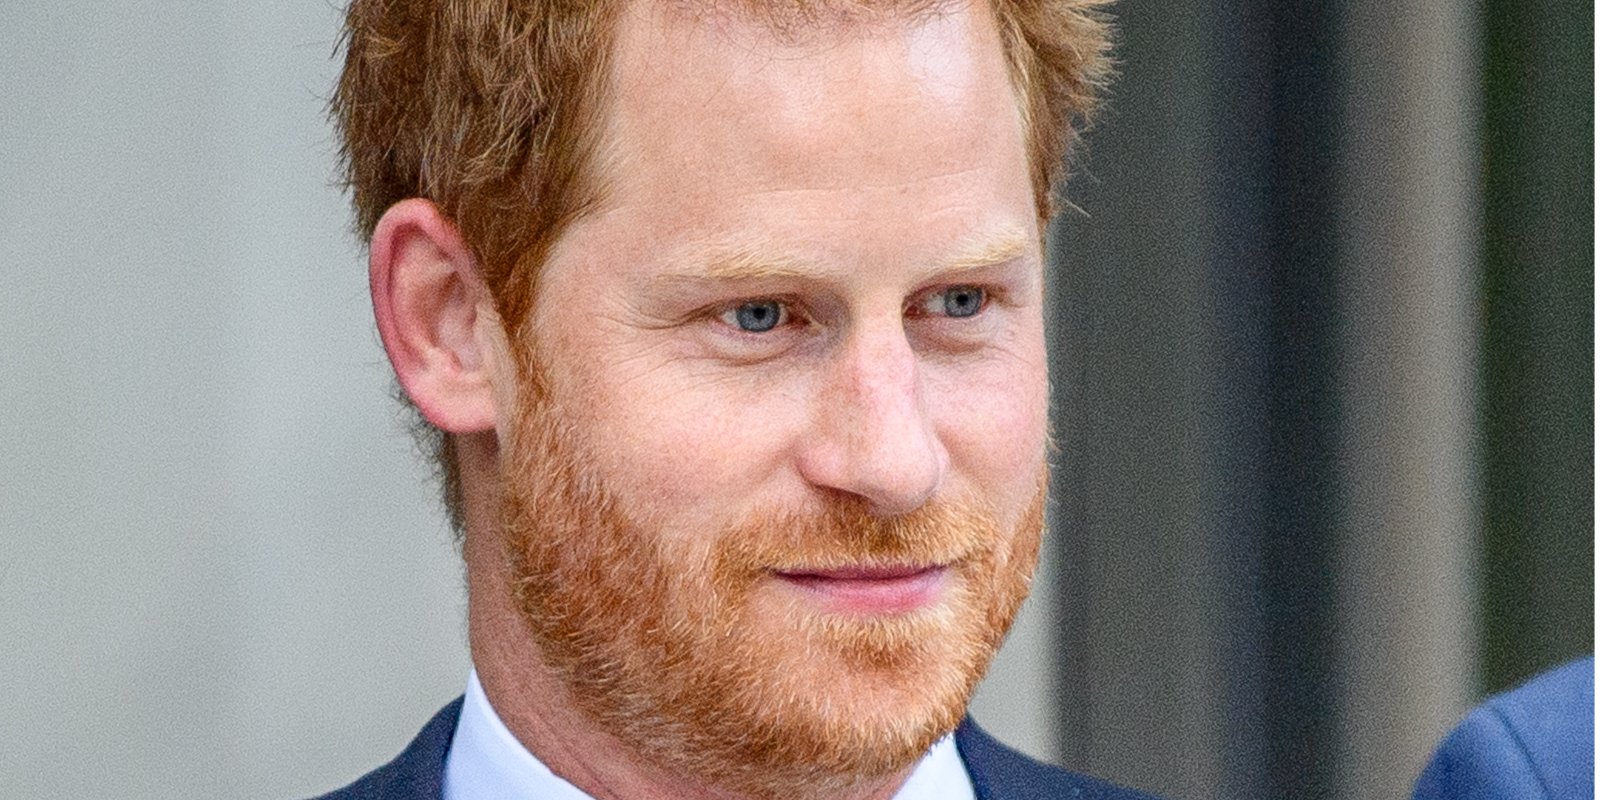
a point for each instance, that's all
(1533, 743)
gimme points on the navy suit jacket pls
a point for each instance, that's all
(998, 772)
(1532, 743)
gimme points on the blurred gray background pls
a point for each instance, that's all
(1323, 374)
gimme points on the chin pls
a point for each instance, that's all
(859, 696)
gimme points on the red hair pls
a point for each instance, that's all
(490, 108)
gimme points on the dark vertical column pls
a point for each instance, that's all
(1239, 269)
(1274, 277)
(1538, 370)
(1301, 521)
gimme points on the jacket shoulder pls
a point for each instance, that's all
(1000, 773)
(1536, 741)
(417, 773)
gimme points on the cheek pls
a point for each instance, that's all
(992, 417)
(674, 442)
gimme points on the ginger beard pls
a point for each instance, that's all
(686, 648)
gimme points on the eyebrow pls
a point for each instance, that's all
(1008, 246)
(750, 262)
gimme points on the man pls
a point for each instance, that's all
(728, 317)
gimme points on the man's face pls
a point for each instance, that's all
(774, 488)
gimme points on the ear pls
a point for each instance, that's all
(432, 308)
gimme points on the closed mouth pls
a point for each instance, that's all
(869, 590)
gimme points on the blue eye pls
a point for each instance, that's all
(963, 301)
(956, 301)
(756, 316)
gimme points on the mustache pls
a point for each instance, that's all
(845, 533)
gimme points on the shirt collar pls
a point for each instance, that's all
(486, 761)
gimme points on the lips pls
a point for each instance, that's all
(869, 589)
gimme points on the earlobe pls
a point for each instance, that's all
(430, 303)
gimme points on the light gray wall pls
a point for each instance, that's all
(223, 572)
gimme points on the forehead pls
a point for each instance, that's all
(809, 102)
(800, 20)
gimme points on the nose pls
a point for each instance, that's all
(870, 433)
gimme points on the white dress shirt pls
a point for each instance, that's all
(486, 762)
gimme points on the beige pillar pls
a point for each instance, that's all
(1409, 216)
